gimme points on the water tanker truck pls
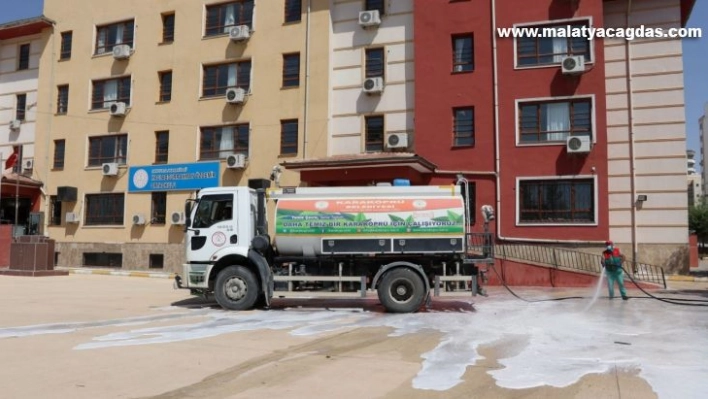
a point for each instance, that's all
(396, 240)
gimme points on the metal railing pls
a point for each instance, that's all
(483, 245)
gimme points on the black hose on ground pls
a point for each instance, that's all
(673, 301)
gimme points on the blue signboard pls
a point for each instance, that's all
(173, 177)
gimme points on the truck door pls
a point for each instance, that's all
(213, 226)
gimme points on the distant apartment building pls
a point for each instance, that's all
(145, 102)
(703, 138)
(695, 184)
(572, 141)
(21, 44)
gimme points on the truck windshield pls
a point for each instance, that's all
(213, 209)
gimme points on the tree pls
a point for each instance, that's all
(698, 220)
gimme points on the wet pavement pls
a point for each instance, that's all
(102, 336)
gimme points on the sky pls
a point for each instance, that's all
(694, 56)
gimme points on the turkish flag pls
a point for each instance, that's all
(12, 160)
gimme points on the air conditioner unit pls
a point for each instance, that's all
(110, 169)
(138, 218)
(122, 51)
(369, 18)
(236, 161)
(28, 164)
(15, 124)
(118, 109)
(72, 217)
(578, 144)
(177, 218)
(235, 95)
(240, 33)
(373, 85)
(397, 140)
(573, 65)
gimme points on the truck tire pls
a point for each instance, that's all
(236, 288)
(401, 291)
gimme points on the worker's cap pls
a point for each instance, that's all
(608, 242)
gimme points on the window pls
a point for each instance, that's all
(462, 53)
(374, 133)
(55, 215)
(159, 207)
(554, 121)
(291, 70)
(165, 86)
(21, 108)
(168, 28)
(107, 149)
(106, 92)
(24, 57)
(108, 36)
(213, 209)
(557, 201)
(374, 62)
(104, 209)
(103, 259)
(157, 261)
(220, 142)
(62, 99)
(548, 50)
(293, 10)
(288, 137)
(218, 78)
(162, 144)
(464, 127)
(220, 18)
(375, 5)
(59, 150)
(66, 39)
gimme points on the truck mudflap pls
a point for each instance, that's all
(267, 282)
(417, 268)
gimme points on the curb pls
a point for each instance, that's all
(122, 273)
(687, 278)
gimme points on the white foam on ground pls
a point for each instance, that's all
(554, 343)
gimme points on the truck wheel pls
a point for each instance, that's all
(401, 291)
(236, 288)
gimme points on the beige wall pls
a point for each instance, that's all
(184, 115)
(657, 104)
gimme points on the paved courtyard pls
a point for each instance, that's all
(86, 336)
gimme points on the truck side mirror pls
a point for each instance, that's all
(487, 212)
(187, 214)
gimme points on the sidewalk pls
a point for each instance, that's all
(123, 273)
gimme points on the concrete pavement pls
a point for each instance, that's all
(89, 336)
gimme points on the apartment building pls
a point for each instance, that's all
(21, 44)
(703, 138)
(142, 103)
(695, 184)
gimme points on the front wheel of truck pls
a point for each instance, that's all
(236, 288)
(401, 291)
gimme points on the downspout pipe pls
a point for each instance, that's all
(630, 116)
(307, 81)
(497, 145)
(47, 133)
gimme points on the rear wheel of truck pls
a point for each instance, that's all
(236, 288)
(401, 291)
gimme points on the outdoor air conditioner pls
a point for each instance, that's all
(15, 124)
(573, 65)
(369, 18)
(118, 109)
(72, 217)
(397, 140)
(373, 85)
(28, 164)
(578, 144)
(177, 218)
(240, 33)
(138, 218)
(236, 161)
(110, 169)
(121, 51)
(235, 95)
